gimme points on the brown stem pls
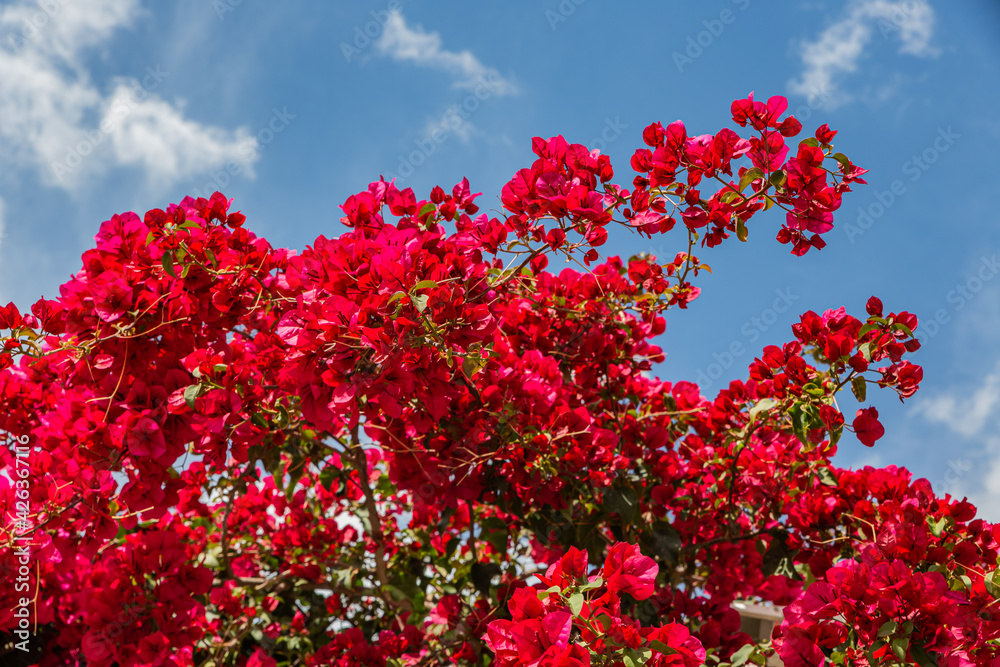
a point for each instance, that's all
(360, 462)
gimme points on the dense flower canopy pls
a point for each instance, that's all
(413, 445)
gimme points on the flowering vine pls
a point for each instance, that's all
(405, 445)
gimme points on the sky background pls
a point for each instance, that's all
(115, 105)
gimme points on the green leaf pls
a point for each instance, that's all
(813, 389)
(763, 404)
(576, 604)
(842, 159)
(888, 629)
(835, 435)
(899, 326)
(741, 230)
(741, 656)
(498, 538)
(420, 302)
(493, 523)
(778, 559)
(729, 195)
(749, 177)
(168, 263)
(622, 501)
(281, 419)
(635, 657)
(937, 527)
(657, 645)
(482, 576)
(777, 178)
(210, 254)
(591, 585)
(426, 284)
(471, 366)
(426, 209)
(296, 470)
(860, 388)
(866, 328)
(811, 141)
(923, 658)
(899, 645)
(992, 585)
(190, 394)
(327, 475)
(798, 417)
(664, 541)
(366, 522)
(827, 477)
(542, 595)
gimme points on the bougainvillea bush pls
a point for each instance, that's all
(411, 444)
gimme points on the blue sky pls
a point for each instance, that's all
(115, 105)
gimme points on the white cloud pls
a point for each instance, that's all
(3, 222)
(55, 119)
(155, 136)
(452, 121)
(838, 49)
(972, 415)
(987, 498)
(403, 43)
(965, 415)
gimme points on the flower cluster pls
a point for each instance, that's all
(917, 589)
(359, 453)
(574, 619)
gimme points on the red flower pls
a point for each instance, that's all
(831, 417)
(10, 317)
(867, 426)
(261, 659)
(687, 651)
(628, 571)
(523, 643)
(825, 135)
(523, 604)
